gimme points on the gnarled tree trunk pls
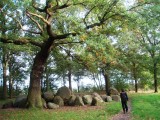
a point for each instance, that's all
(34, 94)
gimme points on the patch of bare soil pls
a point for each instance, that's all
(122, 116)
(60, 109)
(75, 108)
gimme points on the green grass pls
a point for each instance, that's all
(146, 106)
(73, 113)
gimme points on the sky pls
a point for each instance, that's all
(129, 3)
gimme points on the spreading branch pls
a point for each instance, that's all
(88, 14)
(39, 26)
(21, 26)
(63, 43)
(108, 10)
(20, 41)
(102, 22)
(34, 32)
(39, 16)
(63, 36)
(102, 19)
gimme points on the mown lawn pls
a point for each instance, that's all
(145, 106)
(103, 112)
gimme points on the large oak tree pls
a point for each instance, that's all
(44, 27)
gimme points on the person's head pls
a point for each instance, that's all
(122, 90)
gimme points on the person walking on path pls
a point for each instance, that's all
(124, 99)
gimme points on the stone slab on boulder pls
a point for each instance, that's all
(64, 92)
(113, 91)
(20, 101)
(48, 96)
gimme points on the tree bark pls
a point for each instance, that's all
(136, 85)
(64, 81)
(105, 72)
(107, 81)
(5, 64)
(69, 78)
(47, 79)
(10, 88)
(34, 94)
(78, 84)
(10, 81)
(155, 77)
(135, 77)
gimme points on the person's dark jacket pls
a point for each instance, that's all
(124, 96)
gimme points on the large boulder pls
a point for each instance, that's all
(20, 101)
(87, 99)
(52, 105)
(48, 96)
(79, 101)
(58, 100)
(71, 101)
(64, 93)
(116, 98)
(96, 101)
(109, 98)
(8, 105)
(97, 96)
(104, 98)
(44, 103)
(113, 91)
(1, 106)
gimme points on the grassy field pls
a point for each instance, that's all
(103, 112)
(146, 106)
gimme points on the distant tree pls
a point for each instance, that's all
(120, 80)
(5, 60)
(148, 35)
(17, 71)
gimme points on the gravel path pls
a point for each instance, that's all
(122, 116)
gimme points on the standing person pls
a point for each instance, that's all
(124, 99)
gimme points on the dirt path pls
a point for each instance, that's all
(122, 116)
